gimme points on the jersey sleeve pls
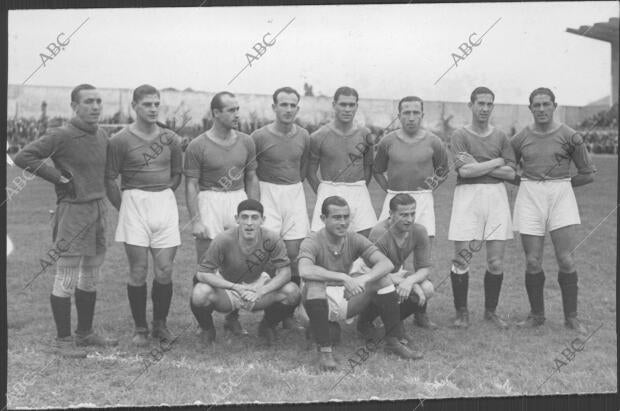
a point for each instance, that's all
(250, 162)
(421, 249)
(362, 247)
(315, 146)
(191, 166)
(381, 159)
(508, 153)
(176, 155)
(32, 157)
(213, 257)
(114, 158)
(579, 154)
(309, 249)
(440, 157)
(458, 144)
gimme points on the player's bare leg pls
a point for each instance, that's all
(493, 281)
(161, 293)
(292, 250)
(203, 301)
(534, 279)
(459, 276)
(137, 291)
(563, 245)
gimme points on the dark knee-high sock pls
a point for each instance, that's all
(137, 304)
(369, 313)
(390, 312)
(318, 313)
(61, 310)
(203, 315)
(535, 286)
(276, 312)
(161, 295)
(409, 306)
(460, 286)
(492, 287)
(568, 285)
(85, 305)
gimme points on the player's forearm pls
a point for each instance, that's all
(419, 276)
(311, 272)
(313, 180)
(191, 197)
(251, 186)
(581, 179)
(283, 276)
(380, 269)
(31, 160)
(113, 193)
(175, 181)
(381, 180)
(470, 170)
(214, 280)
(504, 172)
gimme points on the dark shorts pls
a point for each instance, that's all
(78, 229)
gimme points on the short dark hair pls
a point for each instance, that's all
(144, 90)
(346, 91)
(480, 90)
(250, 204)
(401, 199)
(216, 101)
(75, 93)
(410, 98)
(332, 200)
(287, 90)
(542, 90)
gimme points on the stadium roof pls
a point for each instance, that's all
(607, 31)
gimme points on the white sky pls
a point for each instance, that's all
(383, 51)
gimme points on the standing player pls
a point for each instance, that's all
(546, 202)
(411, 156)
(331, 294)
(344, 152)
(399, 238)
(150, 161)
(220, 172)
(78, 151)
(282, 150)
(483, 160)
(231, 275)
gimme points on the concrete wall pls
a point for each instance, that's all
(26, 101)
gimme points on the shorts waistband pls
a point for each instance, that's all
(409, 192)
(547, 179)
(346, 184)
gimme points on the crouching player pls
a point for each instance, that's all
(231, 275)
(407, 246)
(330, 293)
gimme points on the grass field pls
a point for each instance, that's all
(481, 361)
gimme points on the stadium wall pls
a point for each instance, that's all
(25, 101)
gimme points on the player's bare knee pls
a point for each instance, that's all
(566, 263)
(533, 264)
(495, 265)
(292, 293)
(202, 295)
(163, 275)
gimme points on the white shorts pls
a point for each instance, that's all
(285, 209)
(424, 209)
(336, 302)
(237, 302)
(480, 212)
(357, 196)
(543, 206)
(148, 219)
(217, 210)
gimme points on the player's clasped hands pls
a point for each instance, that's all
(199, 230)
(352, 287)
